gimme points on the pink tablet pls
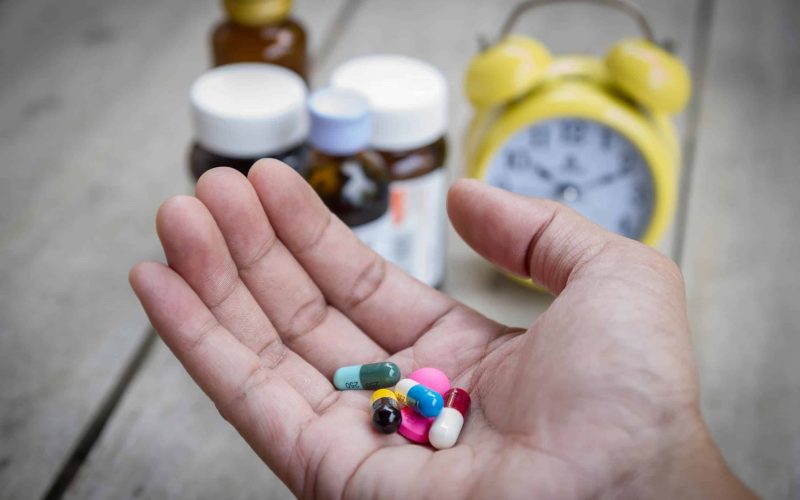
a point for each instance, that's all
(432, 378)
(414, 426)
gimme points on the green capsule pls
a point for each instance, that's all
(372, 376)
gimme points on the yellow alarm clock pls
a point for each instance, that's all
(594, 134)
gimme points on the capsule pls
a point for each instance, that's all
(424, 400)
(372, 376)
(447, 426)
(385, 411)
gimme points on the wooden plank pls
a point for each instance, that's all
(94, 131)
(169, 442)
(742, 243)
(81, 177)
(166, 440)
(161, 152)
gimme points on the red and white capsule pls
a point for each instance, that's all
(446, 428)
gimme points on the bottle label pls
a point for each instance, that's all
(418, 225)
(376, 234)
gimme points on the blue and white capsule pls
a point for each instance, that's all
(423, 400)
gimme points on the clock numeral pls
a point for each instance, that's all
(629, 160)
(539, 137)
(626, 226)
(571, 165)
(518, 159)
(606, 137)
(573, 131)
(641, 194)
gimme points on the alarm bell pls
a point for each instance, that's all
(640, 67)
(591, 133)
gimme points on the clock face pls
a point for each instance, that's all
(582, 163)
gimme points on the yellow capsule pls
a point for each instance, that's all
(386, 414)
(382, 393)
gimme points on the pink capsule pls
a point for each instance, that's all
(446, 428)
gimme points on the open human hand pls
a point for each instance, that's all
(267, 294)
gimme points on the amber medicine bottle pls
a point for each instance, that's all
(408, 100)
(244, 112)
(260, 31)
(350, 179)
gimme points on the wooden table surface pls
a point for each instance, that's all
(93, 132)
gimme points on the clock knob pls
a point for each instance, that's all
(651, 75)
(506, 71)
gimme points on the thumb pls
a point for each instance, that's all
(535, 238)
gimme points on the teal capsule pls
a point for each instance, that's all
(372, 376)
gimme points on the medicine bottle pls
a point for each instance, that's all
(408, 100)
(350, 179)
(244, 112)
(260, 31)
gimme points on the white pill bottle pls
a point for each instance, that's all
(408, 98)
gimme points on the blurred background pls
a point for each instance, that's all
(94, 134)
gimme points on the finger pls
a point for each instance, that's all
(530, 237)
(196, 250)
(390, 306)
(282, 288)
(260, 404)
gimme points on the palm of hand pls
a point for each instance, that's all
(261, 310)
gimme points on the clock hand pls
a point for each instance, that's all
(606, 179)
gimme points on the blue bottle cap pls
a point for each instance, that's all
(341, 123)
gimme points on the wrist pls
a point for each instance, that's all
(685, 464)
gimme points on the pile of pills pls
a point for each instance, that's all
(422, 407)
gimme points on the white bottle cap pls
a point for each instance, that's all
(408, 98)
(247, 110)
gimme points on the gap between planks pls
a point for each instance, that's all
(97, 423)
(338, 26)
